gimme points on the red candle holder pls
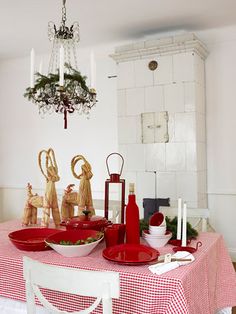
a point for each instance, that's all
(114, 178)
(189, 249)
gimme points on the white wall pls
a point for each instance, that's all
(221, 140)
(23, 133)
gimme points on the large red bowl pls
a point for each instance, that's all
(31, 239)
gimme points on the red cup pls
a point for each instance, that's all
(114, 234)
(121, 232)
(111, 236)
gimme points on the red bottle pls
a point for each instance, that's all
(132, 218)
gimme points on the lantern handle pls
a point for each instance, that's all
(121, 165)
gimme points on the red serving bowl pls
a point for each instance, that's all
(84, 222)
(31, 239)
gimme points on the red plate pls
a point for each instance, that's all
(130, 254)
(31, 239)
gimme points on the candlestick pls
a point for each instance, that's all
(92, 70)
(179, 221)
(184, 229)
(61, 77)
(32, 60)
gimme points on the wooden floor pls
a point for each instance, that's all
(234, 308)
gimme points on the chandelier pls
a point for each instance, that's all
(64, 89)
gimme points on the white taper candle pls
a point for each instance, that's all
(179, 220)
(184, 229)
(92, 70)
(61, 74)
(32, 61)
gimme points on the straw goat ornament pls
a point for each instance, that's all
(49, 201)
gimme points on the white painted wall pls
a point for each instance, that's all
(221, 140)
(23, 133)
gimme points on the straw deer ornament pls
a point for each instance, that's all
(83, 198)
(49, 201)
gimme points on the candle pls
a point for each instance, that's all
(184, 229)
(61, 70)
(32, 58)
(179, 221)
(92, 70)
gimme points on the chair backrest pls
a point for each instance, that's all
(197, 216)
(104, 285)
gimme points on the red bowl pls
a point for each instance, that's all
(156, 219)
(31, 239)
(83, 222)
(73, 235)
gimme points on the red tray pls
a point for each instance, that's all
(31, 239)
(130, 254)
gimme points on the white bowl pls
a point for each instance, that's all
(157, 230)
(147, 234)
(73, 235)
(158, 241)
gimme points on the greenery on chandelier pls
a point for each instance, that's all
(52, 79)
(171, 225)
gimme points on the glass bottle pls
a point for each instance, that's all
(132, 218)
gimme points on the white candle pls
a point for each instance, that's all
(61, 74)
(92, 70)
(32, 60)
(184, 229)
(179, 221)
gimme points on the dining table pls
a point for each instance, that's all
(205, 286)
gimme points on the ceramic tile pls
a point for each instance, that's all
(191, 156)
(201, 127)
(125, 74)
(174, 98)
(199, 69)
(135, 101)
(200, 99)
(138, 129)
(201, 156)
(175, 157)
(155, 157)
(145, 185)
(164, 73)
(183, 65)
(187, 186)
(121, 102)
(143, 76)
(135, 157)
(127, 132)
(154, 99)
(166, 185)
(190, 96)
(185, 127)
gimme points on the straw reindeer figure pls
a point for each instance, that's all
(83, 198)
(49, 201)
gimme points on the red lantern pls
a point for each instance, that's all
(115, 178)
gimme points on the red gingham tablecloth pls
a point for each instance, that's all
(202, 287)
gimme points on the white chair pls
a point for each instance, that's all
(104, 285)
